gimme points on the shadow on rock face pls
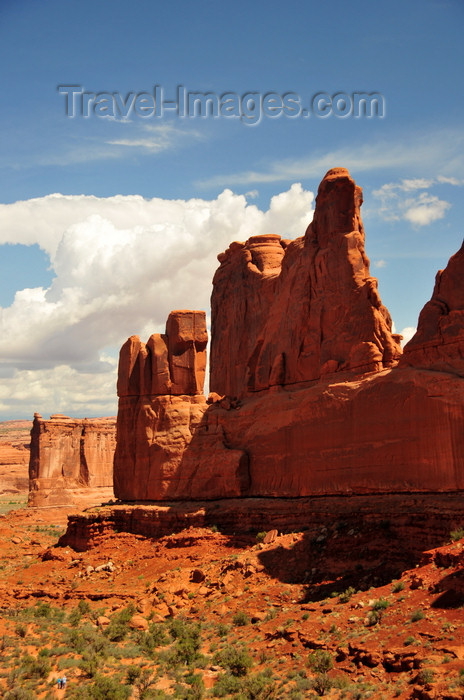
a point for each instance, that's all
(451, 591)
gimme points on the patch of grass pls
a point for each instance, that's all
(417, 615)
(457, 534)
(240, 619)
(347, 594)
(425, 676)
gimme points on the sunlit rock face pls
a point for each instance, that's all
(71, 460)
(310, 392)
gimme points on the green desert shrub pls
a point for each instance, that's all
(19, 694)
(240, 619)
(425, 676)
(119, 624)
(321, 684)
(346, 595)
(102, 688)
(187, 637)
(235, 659)
(320, 661)
(417, 615)
(456, 535)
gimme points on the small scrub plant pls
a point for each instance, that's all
(83, 607)
(320, 661)
(372, 618)
(102, 687)
(456, 535)
(346, 595)
(18, 693)
(240, 619)
(74, 617)
(187, 645)
(119, 624)
(321, 684)
(132, 674)
(226, 685)
(21, 630)
(425, 676)
(259, 685)
(235, 659)
(380, 604)
(409, 640)
(417, 615)
(272, 614)
(223, 629)
(260, 536)
(397, 586)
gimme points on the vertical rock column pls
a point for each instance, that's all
(285, 312)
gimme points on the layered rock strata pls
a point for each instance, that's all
(310, 396)
(71, 461)
(413, 522)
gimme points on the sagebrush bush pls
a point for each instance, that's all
(320, 661)
(236, 659)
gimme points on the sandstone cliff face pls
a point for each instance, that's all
(317, 400)
(439, 341)
(286, 312)
(160, 409)
(71, 460)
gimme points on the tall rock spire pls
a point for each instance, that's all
(285, 312)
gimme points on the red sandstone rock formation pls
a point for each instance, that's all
(71, 460)
(316, 402)
(439, 341)
(286, 312)
(160, 408)
(173, 363)
(15, 438)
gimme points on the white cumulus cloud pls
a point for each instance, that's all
(120, 264)
(407, 200)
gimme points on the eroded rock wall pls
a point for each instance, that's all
(164, 448)
(439, 341)
(285, 312)
(71, 460)
(310, 394)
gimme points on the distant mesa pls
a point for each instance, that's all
(71, 461)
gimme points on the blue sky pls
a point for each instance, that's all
(108, 223)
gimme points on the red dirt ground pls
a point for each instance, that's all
(292, 606)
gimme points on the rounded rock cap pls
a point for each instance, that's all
(333, 173)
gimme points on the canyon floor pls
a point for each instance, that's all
(198, 613)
